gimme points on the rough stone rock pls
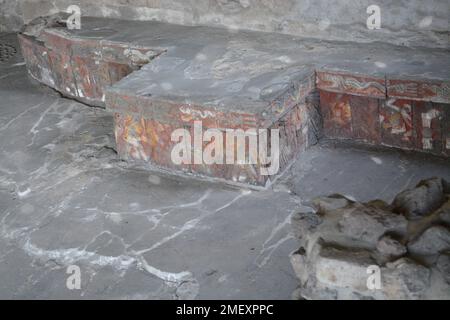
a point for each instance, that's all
(432, 242)
(390, 247)
(369, 224)
(443, 265)
(446, 185)
(297, 294)
(425, 198)
(343, 268)
(326, 204)
(298, 261)
(314, 292)
(344, 238)
(36, 26)
(444, 213)
(405, 279)
(379, 204)
(445, 217)
(304, 223)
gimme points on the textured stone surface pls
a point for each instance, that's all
(443, 265)
(403, 22)
(368, 224)
(390, 247)
(332, 202)
(342, 247)
(11, 18)
(397, 127)
(342, 268)
(337, 115)
(305, 223)
(76, 68)
(405, 279)
(428, 125)
(418, 90)
(366, 124)
(433, 241)
(401, 123)
(426, 197)
(444, 212)
(248, 61)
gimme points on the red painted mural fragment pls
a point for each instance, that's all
(337, 114)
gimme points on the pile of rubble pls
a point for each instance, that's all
(374, 250)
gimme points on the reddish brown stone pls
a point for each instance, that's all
(56, 41)
(446, 129)
(145, 120)
(81, 68)
(351, 84)
(89, 78)
(92, 76)
(293, 135)
(427, 122)
(37, 60)
(61, 68)
(118, 71)
(365, 119)
(144, 140)
(149, 140)
(337, 114)
(423, 90)
(396, 123)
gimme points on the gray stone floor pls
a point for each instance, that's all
(65, 199)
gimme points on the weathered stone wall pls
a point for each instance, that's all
(411, 22)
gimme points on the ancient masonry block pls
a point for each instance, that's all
(365, 121)
(354, 84)
(337, 114)
(396, 117)
(423, 90)
(80, 68)
(155, 83)
(409, 114)
(143, 129)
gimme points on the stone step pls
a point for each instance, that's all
(157, 77)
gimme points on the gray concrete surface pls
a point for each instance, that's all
(11, 17)
(65, 199)
(410, 22)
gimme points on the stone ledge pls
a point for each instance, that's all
(164, 76)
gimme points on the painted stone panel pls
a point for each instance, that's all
(351, 84)
(149, 141)
(428, 119)
(446, 129)
(337, 114)
(365, 119)
(37, 60)
(423, 90)
(396, 118)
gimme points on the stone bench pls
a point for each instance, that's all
(158, 77)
